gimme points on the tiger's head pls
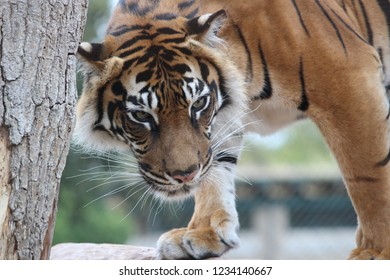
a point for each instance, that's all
(160, 89)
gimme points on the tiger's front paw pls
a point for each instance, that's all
(194, 244)
(371, 248)
(200, 242)
(369, 254)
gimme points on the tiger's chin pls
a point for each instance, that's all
(174, 192)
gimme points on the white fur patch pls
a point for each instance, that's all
(86, 46)
(203, 19)
(84, 135)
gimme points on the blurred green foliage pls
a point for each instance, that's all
(97, 18)
(300, 144)
(82, 216)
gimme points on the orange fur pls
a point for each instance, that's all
(191, 69)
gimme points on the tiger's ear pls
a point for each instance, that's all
(205, 28)
(99, 68)
(93, 61)
(90, 55)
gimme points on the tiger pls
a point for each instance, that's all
(178, 83)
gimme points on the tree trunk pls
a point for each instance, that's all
(38, 42)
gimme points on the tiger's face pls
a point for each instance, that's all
(158, 95)
(164, 110)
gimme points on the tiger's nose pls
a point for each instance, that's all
(185, 176)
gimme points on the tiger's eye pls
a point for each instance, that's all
(141, 116)
(199, 104)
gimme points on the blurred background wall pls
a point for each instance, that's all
(290, 196)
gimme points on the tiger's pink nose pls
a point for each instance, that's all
(185, 176)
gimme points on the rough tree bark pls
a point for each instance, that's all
(38, 42)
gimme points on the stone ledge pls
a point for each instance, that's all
(91, 251)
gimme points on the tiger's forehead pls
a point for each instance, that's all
(145, 41)
(162, 94)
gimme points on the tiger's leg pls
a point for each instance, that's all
(355, 123)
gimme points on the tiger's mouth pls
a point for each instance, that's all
(174, 192)
(168, 188)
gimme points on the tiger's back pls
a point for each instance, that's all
(177, 82)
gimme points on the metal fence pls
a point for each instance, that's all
(306, 218)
